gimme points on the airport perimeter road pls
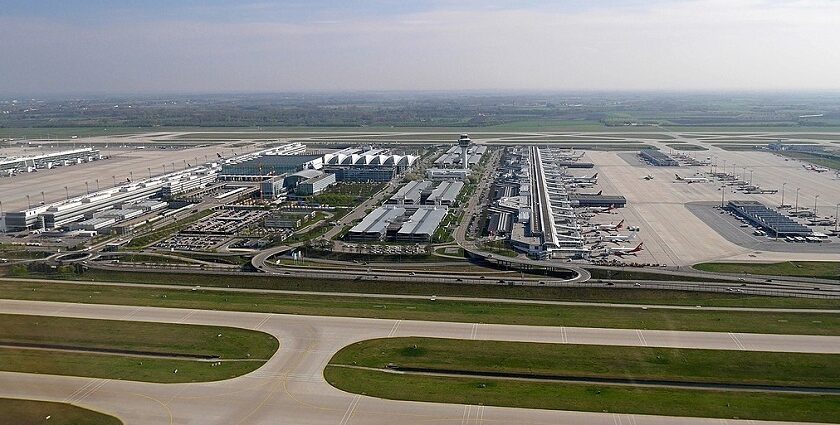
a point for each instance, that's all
(290, 388)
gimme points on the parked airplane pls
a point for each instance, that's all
(593, 179)
(811, 167)
(691, 179)
(599, 210)
(608, 227)
(617, 238)
(625, 250)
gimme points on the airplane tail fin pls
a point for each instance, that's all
(594, 176)
(599, 192)
(620, 223)
(638, 247)
(678, 176)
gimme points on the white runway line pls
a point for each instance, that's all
(350, 410)
(263, 322)
(394, 328)
(186, 316)
(737, 341)
(641, 337)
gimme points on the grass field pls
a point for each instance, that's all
(590, 361)
(686, 147)
(593, 398)
(833, 163)
(140, 351)
(819, 269)
(440, 310)
(32, 412)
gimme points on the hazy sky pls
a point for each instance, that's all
(76, 46)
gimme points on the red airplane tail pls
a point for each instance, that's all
(638, 247)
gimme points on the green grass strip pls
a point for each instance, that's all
(239, 350)
(818, 269)
(32, 412)
(592, 398)
(598, 361)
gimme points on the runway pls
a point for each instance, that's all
(290, 388)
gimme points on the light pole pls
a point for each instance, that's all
(796, 207)
(815, 204)
(131, 174)
(114, 178)
(783, 194)
(28, 203)
(67, 192)
(836, 216)
(43, 198)
(87, 188)
(97, 185)
(751, 175)
(150, 172)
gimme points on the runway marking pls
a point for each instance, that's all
(79, 390)
(564, 338)
(165, 407)
(737, 342)
(86, 390)
(616, 419)
(474, 331)
(465, 417)
(186, 316)
(263, 321)
(350, 410)
(641, 337)
(632, 419)
(394, 328)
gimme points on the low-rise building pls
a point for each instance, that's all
(315, 185)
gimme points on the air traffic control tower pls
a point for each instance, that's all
(464, 142)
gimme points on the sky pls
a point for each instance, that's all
(215, 46)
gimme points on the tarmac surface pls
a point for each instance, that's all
(675, 236)
(290, 389)
(122, 164)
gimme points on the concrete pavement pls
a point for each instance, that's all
(290, 388)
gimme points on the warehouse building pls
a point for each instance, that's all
(315, 185)
(375, 225)
(776, 225)
(93, 224)
(439, 174)
(657, 158)
(421, 226)
(446, 193)
(412, 193)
